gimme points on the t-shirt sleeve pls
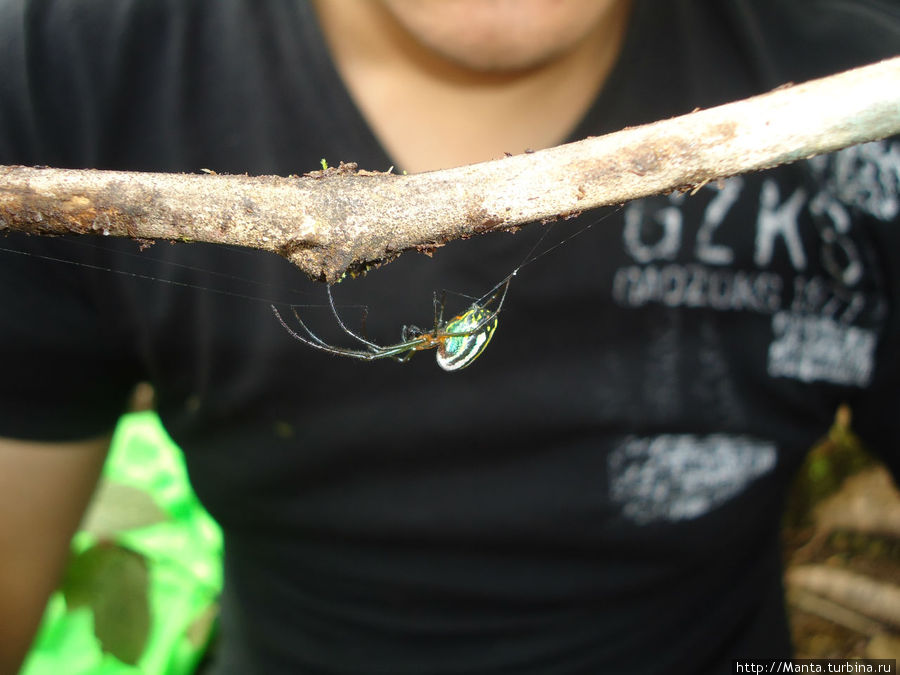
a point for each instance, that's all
(68, 361)
(67, 369)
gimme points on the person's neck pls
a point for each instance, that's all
(429, 113)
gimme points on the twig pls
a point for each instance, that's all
(329, 222)
(833, 612)
(876, 599)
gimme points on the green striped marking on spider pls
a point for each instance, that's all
(465, 337)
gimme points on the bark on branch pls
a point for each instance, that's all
(338, 220)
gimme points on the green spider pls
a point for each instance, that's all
(458, 341)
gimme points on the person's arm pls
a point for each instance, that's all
(44, 490)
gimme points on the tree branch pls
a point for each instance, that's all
(340, 219)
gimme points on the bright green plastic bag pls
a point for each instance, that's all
(140, 593)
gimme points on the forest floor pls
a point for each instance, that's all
(841, 542)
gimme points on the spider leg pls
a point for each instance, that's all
(362, 322)
(359, 338)
(505, 288)
(439, 310)
(316, 342)
(402, 351)
(312, 336)
(499, 292)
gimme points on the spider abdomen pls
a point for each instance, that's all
(465, 337)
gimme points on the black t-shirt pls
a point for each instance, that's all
(601, 490)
